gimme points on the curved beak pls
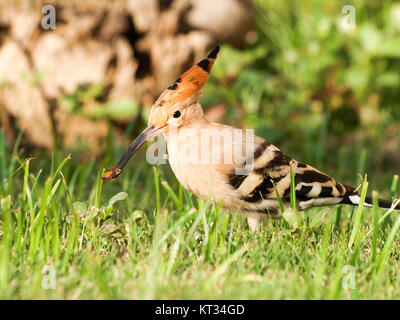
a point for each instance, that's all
(147, 134)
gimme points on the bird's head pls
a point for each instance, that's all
(176, 106)
(179, 103)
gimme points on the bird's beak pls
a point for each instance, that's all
(147, 134)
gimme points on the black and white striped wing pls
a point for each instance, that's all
(272, 167)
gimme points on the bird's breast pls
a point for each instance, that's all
(198, 166)
(200, 179)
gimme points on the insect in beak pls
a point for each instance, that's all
(147, 134)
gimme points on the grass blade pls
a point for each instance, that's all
(357, 222)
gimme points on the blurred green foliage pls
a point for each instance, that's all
(89, 101)
(308, 84)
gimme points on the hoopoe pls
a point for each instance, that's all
(248, 185)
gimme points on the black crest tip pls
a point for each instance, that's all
(213, 54)
(204, 64)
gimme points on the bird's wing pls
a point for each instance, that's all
(271, 167)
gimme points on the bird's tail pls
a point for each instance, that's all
(383, 204)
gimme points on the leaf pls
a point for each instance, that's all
(123, 108)
(137, 215)
(318, 218)
(80, 208)
(6, 203)
(118, 197)
(292, 217)
(108, 228)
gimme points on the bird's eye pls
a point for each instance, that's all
(177, 114)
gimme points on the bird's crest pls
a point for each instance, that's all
(189, 84)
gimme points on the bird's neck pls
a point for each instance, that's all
(194, 115)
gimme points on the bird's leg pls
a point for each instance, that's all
(254, 224)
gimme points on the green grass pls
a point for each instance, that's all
(326, 97)
(144, 237)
